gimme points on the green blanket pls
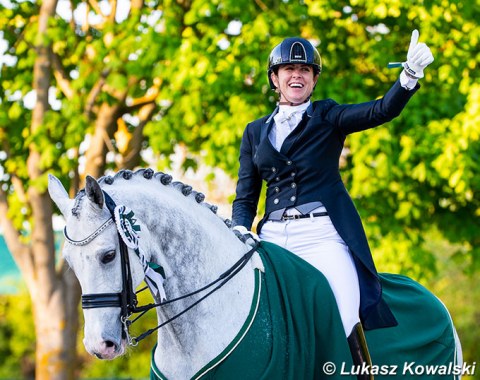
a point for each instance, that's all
(295, 331)
(422, 346)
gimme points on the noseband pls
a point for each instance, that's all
(126, 300)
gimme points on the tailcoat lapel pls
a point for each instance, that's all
(266, 128)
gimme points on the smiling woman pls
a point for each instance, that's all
(295, 83)
(296, 150)
(294, 64)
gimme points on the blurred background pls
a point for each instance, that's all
(91, 87)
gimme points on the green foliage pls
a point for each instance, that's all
(17, 337)
(451, 281)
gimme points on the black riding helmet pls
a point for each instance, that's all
(293, 50)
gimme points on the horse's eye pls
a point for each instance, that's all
(108, 257)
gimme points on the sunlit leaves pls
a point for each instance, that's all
(17, 337)
(207, 62)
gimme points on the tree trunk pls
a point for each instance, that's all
(54, 294)
(100, 143)
(56, 326)
(131, 158)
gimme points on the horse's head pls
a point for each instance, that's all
(92, 249)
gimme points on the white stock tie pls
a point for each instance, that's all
(286, 120)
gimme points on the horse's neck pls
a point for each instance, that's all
(195, 248)
(200, 256)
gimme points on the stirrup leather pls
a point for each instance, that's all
(359, 349)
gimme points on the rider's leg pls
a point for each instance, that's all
(317, 242)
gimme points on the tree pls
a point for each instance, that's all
(51, 291)
(37, 139)
(418, 173)
(104, 76)
(106, 82)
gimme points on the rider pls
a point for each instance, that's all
(296, 150)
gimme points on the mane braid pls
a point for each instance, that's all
(165, 179)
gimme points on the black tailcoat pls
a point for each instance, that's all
(307, 169)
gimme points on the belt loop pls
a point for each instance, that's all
(311, 216)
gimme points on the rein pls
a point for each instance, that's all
(226, 276)
(127, 299)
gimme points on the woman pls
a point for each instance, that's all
(296, 150)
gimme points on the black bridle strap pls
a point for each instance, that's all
(128, 297)
(94, 301)
(227, 276)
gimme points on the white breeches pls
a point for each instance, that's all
(317, 241)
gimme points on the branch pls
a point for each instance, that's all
(141, 102)
(262, 5)
(72, 18)
(41, 234)
(136, 5)
(149, 97)
(96, 8)
(86, 26)
(75, 183)
(19, 189)
(113, 12)
(105, 127)
(108, 141)
(132, 158)
(94, 93)
(61, 76)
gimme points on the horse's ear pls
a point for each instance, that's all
(59, 195)
(94, 192)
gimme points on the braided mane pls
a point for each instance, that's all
(164, 179)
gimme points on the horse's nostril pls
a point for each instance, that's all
(109, 344)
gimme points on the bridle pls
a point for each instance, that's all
(126, 300)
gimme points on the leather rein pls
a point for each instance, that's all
(126, 300)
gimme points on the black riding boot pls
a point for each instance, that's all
(360, 355)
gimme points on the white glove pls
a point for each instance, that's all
(419, 56)
(245, 235)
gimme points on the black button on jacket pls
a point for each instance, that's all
(307, 169)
